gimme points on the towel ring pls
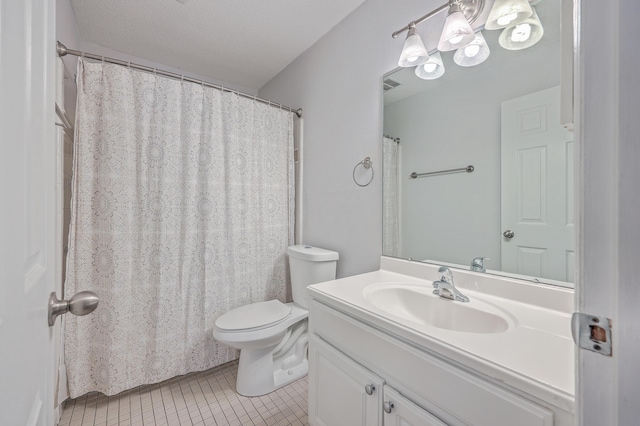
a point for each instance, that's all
(367, 164)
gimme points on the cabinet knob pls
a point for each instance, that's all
(388, 407)
(369, 389)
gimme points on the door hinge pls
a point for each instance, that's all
(591, 332)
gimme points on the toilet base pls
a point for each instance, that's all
(263, 370)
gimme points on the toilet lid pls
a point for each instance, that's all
(254, 315)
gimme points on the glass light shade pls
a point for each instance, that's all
(473, 53)
(507, 13)
(413, 52)
(522, 35)
(456, 32)
(432, 69)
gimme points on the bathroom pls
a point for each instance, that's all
(337, 83)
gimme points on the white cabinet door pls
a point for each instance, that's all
(537, 188)
(399, 411)
(339, 389)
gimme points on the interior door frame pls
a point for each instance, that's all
(608, 201)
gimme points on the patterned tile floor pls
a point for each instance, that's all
(196, 399)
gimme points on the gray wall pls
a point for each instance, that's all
(454, 218)
(338, 83)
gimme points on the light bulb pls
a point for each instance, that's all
(506, 19)
(506, 13)
(471, 50)
(456, 32)
(430, 67)
(413, 52)
(412, 58)
(521, 33)
(474, 53)
(456, 39)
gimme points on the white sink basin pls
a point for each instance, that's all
(418, 304)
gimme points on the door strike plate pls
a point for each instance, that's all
(591, 332)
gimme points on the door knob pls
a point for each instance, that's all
(82, 303)
(388, 407)
(508, 234)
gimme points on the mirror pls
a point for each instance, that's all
(503, 118)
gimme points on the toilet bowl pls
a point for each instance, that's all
(272, 336)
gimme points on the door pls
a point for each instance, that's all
(341, 391)
(27, 215)
(537, 188)
(399, 411)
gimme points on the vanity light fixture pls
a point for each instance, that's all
(457, 32)
(522, 29)
(523, 35)
(507, 13)
(413, 53)
(432, 69)
(473, 53)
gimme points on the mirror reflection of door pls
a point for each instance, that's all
(537, 188)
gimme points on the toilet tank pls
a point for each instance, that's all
(309, 265)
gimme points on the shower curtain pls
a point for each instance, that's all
(182, 209)
(390, 197)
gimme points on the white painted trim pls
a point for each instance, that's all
(609, 201)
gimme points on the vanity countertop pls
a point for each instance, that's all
(534, 355)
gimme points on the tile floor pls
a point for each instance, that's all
(197, 399)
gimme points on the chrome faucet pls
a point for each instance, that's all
(445, 287)
(477, 264)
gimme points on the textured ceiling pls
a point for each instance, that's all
(244, 42)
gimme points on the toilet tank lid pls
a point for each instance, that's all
(312, 254)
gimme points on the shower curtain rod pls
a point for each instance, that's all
(62, 50)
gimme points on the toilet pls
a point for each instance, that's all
(272, 336)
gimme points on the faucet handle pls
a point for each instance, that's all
(477, 264)
(447, 275)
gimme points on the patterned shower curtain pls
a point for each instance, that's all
(390, 197)
(182, 209)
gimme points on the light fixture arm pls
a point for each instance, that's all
(470, 8)
(419, 20)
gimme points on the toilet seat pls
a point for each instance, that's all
(254, 316)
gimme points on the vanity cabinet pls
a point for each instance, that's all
(343, 392)
(346, 354)
(398, 410)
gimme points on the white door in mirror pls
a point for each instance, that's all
(537, 188)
